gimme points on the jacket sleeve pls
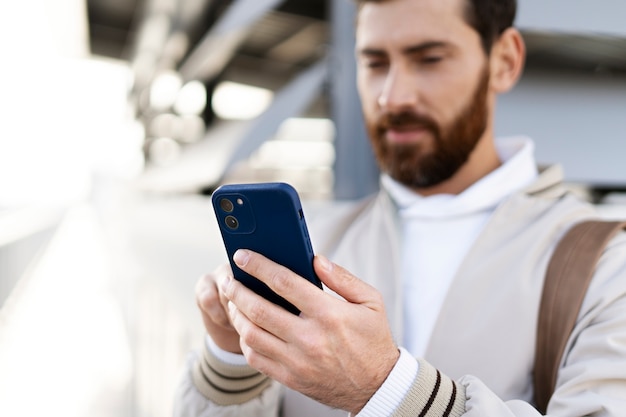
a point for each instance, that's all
(210, 388)
(435, 394)
(595, 387)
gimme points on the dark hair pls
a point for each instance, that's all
(490, 18)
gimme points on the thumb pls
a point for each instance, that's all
(346, 285)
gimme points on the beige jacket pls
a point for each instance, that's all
(483, 342)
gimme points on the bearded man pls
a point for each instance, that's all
(434, 311)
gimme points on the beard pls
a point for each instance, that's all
(419, 166)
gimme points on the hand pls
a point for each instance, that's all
(338, 352)
(213, 306)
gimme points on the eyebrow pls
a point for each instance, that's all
(413, 49)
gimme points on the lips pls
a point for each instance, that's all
(406, 134)
(406, 127)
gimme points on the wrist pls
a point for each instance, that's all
(225, 339)
(392, 391)
(223, 355)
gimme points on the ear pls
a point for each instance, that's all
(506, 60)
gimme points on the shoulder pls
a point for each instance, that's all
(329, 221)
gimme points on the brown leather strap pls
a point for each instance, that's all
(567, 279)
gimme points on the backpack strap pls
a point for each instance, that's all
(567, 278)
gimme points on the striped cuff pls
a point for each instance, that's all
(390, 395)
(432, 395)
(226, 384)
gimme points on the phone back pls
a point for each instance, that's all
(266, 218)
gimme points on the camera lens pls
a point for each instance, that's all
(231, 222)
(226, 205)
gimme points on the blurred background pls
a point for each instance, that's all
(119, 117)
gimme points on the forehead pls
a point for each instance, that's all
(400, 21)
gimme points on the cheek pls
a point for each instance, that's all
(447, 98)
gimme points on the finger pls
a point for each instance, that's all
(262, 349)
(262, 363)
(222, 282)
(292, 287)
(262, 313)
(209, 301)
(252, 337)
(344, 283)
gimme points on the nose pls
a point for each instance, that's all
(399, 91)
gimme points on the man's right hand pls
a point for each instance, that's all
(214, 309)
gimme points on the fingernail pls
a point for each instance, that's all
(326, 264)
(241, 257)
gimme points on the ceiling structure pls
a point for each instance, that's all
(210, 40)
(268, 43)
(293, 34)
(264, 43)
(278, 43)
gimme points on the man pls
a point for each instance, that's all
(450, 255)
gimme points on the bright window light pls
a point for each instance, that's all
(164, 90)
(304, 128)
(235, 101)
(191, 99)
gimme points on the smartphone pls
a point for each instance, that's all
(266, 218)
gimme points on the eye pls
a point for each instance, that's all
(431, 59)
(375, 63)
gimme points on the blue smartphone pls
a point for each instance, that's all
(266, 218)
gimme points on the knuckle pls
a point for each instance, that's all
(257, 312)
(206, 286)
(211, 306)
(249, 336)
(331, 319)
(232, 291)
(255, 360)
(377, 298)
(281, 280)
(207, 297)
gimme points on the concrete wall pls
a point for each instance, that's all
(573, 16)
(577, 119)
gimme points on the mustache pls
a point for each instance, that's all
(405, 118)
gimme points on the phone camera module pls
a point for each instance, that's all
(231, 222)
(226, 205)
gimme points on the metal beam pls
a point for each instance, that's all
(219, 45)
(290, 101)
(356, 173)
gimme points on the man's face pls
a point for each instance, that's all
(423, 78)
